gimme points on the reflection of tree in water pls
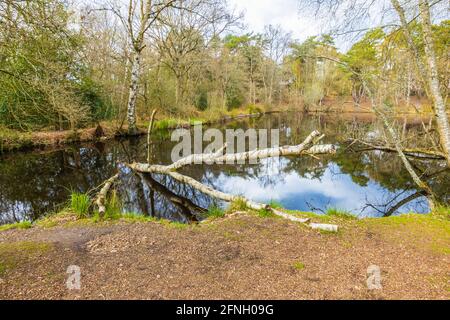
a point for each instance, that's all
(143, 194)
(36, 182)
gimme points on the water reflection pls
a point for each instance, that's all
(369, 183)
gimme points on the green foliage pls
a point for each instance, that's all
(253, 109)
(80, 203)
(202, 101)
(44, 82)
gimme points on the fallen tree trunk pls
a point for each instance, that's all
(306, 148)
(225, 196)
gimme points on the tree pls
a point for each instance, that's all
(137, 18)
(184, 32)
(360, 10)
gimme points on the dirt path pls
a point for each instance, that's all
(242, 257)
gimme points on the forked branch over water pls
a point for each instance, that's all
(308, 147)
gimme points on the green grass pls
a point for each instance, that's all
(113, 207)
(17, 225)
(168, 123)
(263, 213)
(80, 203)
(442, 211)
(333, 212)
(298, 265)
(135, 217)
(237, 205)
(215, 212)
(275, 204)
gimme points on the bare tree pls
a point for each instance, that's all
(185, 30)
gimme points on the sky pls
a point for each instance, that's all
(285, 13)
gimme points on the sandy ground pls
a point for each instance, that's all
(240, 257)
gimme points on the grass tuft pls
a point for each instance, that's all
(80, 203)
(237, 205)
(333, 212)
(113, 207)
(215, 212)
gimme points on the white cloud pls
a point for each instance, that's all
(285, 13)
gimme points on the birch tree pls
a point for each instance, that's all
(137, 18)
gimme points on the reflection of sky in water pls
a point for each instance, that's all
(332, 190)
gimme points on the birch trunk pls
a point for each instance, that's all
(134, 87)
(433, 79)
(430, 80)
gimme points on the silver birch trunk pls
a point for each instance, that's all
(433, 79)
(134, 86)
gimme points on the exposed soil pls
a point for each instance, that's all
(240, 257)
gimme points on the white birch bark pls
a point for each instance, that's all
(433, 79)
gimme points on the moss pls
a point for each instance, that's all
(174, 224)
(56, 219)
(423, 231)
(134, 217)
(17, 225)
(13, 254)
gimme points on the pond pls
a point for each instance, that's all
(365, 183)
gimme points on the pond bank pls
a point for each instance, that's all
(241, 256)
(13, 140)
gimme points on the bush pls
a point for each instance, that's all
(202, 101)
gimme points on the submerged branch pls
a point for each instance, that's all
(410, 152)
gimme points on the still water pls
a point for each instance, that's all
(366, 183)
